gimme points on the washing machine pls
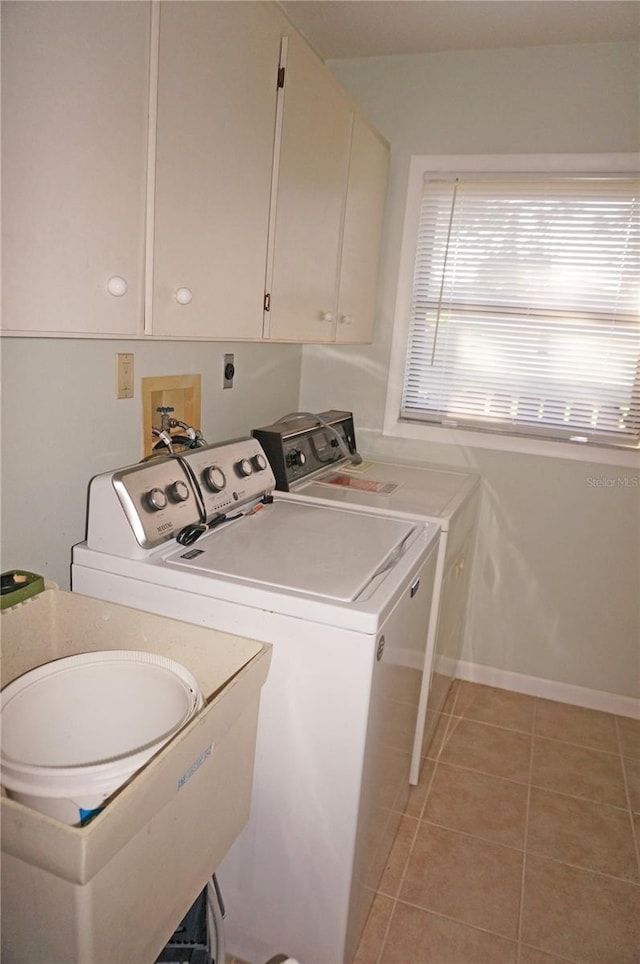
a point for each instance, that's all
(344, 597)
(316, 461)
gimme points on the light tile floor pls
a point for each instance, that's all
(520, 843)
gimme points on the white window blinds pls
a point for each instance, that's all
(525, 309)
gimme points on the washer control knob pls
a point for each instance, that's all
(215, 478)
(295, 458)
(156, 499)
(179, 491)
(259, 462)
(244, 468)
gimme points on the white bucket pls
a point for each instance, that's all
(76, 729)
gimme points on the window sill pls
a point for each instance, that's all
(463, 438)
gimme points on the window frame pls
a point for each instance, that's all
(484, 164)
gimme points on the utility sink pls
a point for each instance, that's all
(115, 889)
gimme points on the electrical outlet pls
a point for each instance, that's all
(124, 375)
(228, 372)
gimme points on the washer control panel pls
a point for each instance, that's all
(162, 496)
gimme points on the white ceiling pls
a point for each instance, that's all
(371, 28)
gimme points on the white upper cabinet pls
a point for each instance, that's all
(74, 153)
(182, 170)
(311, 164)
(216, 106)
(362, 234)
(330, 184)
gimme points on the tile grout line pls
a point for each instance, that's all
(580, 746)
(394, 899)
(539, 786)
(556, 958)
(580, 797)
(491, 723)
(541, 736)
(465, 924)
(581, 868)
(526, 837)
(524, 850)
(473, 836)
(386, 931)
(415, 833)
(634, 835)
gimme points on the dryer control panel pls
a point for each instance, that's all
(303, 443)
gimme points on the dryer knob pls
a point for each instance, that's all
(214, 478)
(244, 468)
(259, 463)
(295, 457)
(156, 499)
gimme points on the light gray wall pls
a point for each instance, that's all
(61, 424)
(557, 577)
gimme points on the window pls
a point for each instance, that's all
(524, 309)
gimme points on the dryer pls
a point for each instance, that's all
(315, 460)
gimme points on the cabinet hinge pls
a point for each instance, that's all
(267, 302)
(281, 73)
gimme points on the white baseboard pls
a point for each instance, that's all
(549, 689)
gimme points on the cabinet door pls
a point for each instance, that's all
(366, 192)
(74, 129)
(311, 181)
(217, 87)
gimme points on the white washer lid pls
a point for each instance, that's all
(316, 550)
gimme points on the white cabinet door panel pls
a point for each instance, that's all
(312, 174)
(366, 191)
(217, 88)
(74, 129)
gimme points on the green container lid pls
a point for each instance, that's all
(18, 585)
